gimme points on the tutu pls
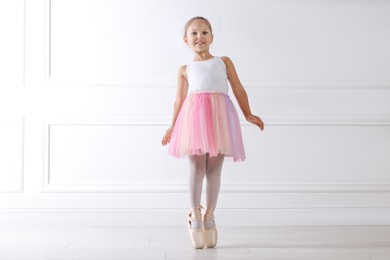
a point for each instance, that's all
(207, 123)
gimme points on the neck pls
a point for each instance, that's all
(202, 55)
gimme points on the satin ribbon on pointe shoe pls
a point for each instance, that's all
(210, 233)
(196, 234)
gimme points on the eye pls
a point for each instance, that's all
(194, 33)
(205, 32)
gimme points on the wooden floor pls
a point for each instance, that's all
(172, 243)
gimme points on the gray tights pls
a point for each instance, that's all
(211, 167)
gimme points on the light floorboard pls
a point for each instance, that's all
(172, 243)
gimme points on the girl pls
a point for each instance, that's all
(205, 125)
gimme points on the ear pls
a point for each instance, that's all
(185, 40)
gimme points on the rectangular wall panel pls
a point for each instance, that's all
(11, 157)
(307, 40)
(11, 43)
(112, 154)
(117, 42)
(129, 155)
(140, 42)
(315, 154)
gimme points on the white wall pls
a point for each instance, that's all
(87, 88)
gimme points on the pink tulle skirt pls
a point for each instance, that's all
(207, 123)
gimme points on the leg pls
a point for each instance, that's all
(197, 173)
(213, 176)
(195, 223)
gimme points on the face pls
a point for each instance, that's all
(198, 36)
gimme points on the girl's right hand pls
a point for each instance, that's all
(167, 137)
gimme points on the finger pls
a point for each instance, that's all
(261, 125)
(164, 141)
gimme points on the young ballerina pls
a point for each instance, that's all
(205, 125)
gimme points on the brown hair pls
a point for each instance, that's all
(197, 18)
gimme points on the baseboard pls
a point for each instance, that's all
(173, 217)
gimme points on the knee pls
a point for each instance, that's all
(199, 171)
(213, 175)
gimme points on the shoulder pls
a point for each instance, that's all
(183, 71)
(230, 69)
(228, 62)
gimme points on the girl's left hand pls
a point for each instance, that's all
(255, 120)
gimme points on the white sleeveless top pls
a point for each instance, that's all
(207, 76)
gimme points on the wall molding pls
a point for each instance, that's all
(271, 121)
(226, 188)
(24, 42)
(318, 85)
(47, 187)
(326, 121)
(19, 125)
(170, 83)
(175, 217)
(169, 188)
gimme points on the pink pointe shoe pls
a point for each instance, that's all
(210, 230)
(195, 227)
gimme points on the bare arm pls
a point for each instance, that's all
(181, 93)
(240, 94)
